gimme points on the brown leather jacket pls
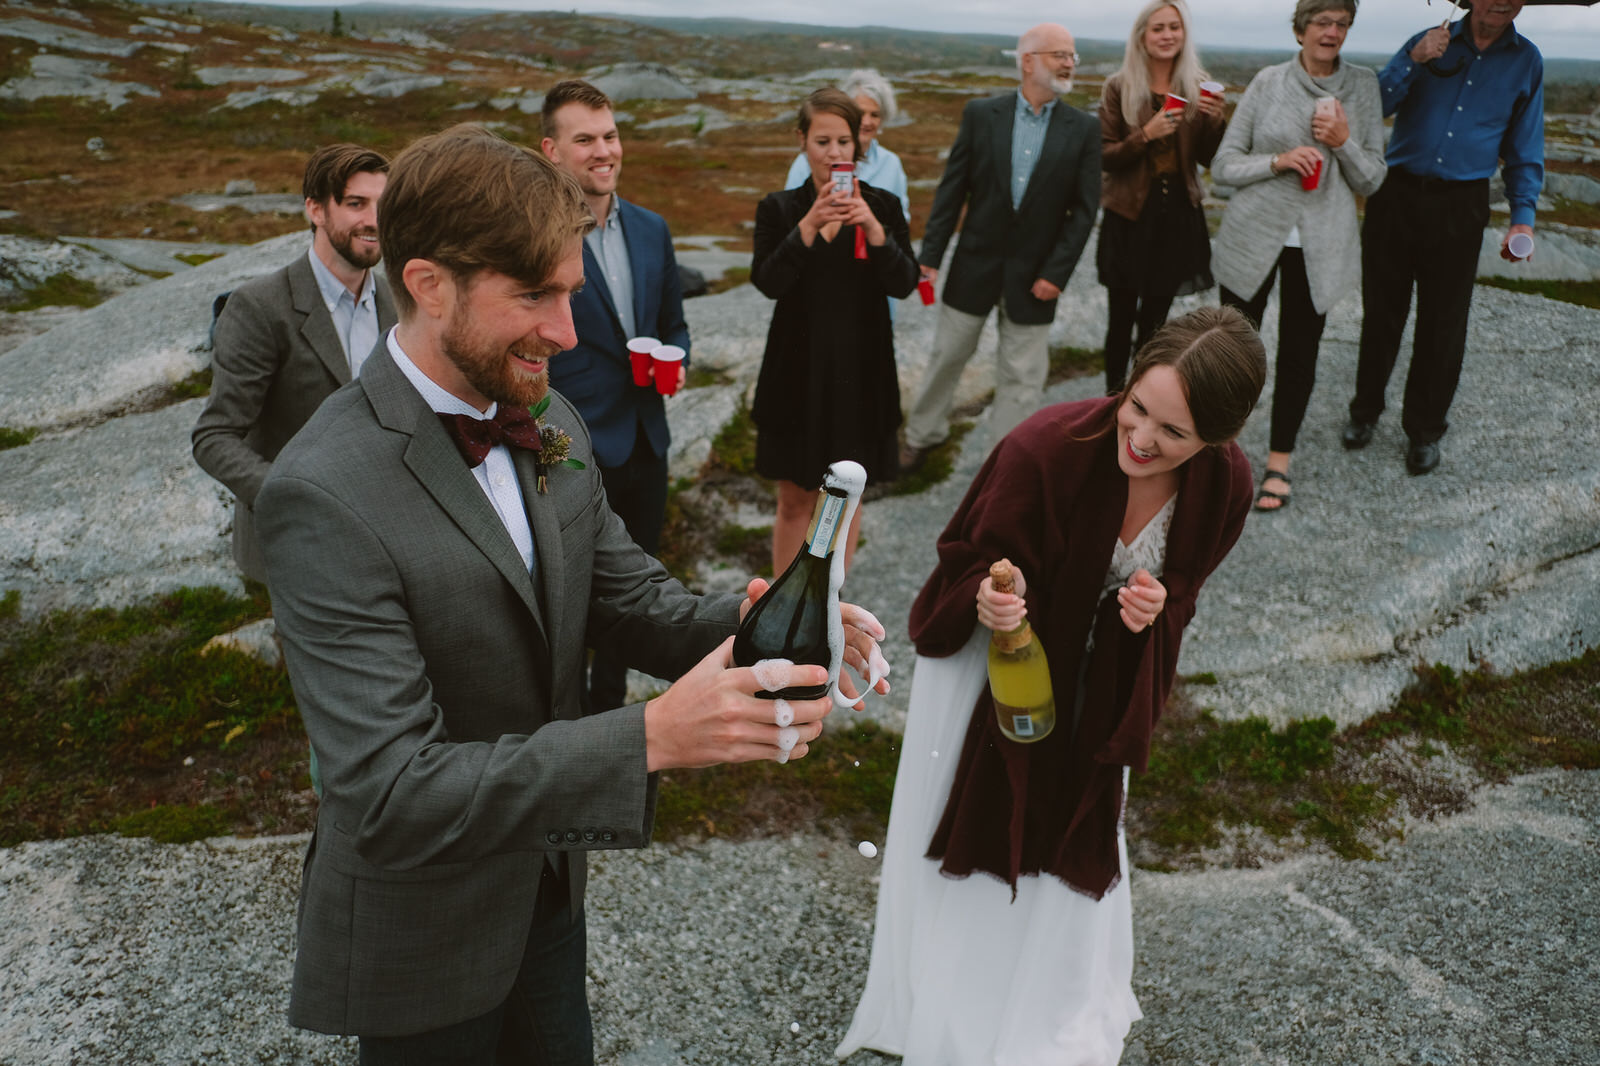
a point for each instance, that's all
(1125, 156)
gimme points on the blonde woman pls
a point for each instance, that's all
(1153, 241)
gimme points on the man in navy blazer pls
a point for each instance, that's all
(631, 289)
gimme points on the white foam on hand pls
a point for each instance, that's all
(788, 737)
(782, 713)
(772, 674)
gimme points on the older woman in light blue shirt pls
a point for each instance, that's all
(878, 166)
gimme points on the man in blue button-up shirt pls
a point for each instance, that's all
(1465, 98)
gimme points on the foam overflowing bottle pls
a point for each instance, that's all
(798, 617)
(1019, 674)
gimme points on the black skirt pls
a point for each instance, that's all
(1166, 247)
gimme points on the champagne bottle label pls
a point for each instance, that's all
(821, 542)
(1022, 725)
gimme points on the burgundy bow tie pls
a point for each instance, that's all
(475, 436)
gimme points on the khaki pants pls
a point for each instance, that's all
(1022, 361)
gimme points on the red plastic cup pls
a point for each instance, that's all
(664, 364)
(1174, 102)
(639, 350)
(925, 290)
(1309, 181)
(1520, 246)
(1213, 89)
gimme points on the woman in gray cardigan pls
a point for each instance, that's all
(1280, 141)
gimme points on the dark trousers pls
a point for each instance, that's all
(1425, 232)
(543, 1022)
(637, 491)
(1299, 336)
(1131, 317)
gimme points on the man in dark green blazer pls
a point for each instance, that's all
(285, 341)
(1026, 167)
(435, 581)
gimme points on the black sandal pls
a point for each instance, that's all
(1266, 494)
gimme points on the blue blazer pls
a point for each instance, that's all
(596, 375)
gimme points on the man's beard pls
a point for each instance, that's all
(490, 370)
(1061, 86)
(363, 256)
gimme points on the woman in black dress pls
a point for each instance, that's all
(828, 388)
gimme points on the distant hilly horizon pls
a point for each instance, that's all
(1095, 50)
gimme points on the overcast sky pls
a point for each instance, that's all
(1381, 25)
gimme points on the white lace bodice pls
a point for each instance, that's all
(1148, 550)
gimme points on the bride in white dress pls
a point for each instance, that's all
(962, 973)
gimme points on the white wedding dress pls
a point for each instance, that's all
(960, 974)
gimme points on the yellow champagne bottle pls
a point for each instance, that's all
(1019, 675)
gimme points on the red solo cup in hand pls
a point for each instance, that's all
(925, 290)
(639, 350)
(664, 364)
(1309, 181)
(1213, 89)
(1174, 102)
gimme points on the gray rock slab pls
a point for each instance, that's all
(27, 263)
(57, 75)
(261, 203)
(388, 84)
(248, 75)
(1472, 943)
(244, 98)
(113, 514)
(151, 257)
(640, 81)
(112, 355)
(66, 38)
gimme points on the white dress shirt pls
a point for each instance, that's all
(496, 475)
(355, 319)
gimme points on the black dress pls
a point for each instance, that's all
(828, 389)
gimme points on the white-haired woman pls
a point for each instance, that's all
(878, 167)
(1276, 228)
(1154, 245)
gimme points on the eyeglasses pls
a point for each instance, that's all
(1325, 23)
(1059, 57)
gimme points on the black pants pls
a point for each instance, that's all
(637, 492)
(1425, 232)
(543, 1022)
(1299, 336)
(1136, 315)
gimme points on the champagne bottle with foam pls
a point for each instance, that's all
(798, 617)
(1019, 674)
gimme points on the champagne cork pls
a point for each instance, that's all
(1003, 578)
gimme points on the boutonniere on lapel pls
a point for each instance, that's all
(555, 446)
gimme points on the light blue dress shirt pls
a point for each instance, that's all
(1027, 141)
(1462, 126)
(610, 250)
(355, 320)
(496, 475)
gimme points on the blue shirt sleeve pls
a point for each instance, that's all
(799, 172)
(1397, 76)
(1522, 154)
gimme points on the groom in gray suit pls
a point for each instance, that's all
(1026, 168)
(285, 341)
(435, 579)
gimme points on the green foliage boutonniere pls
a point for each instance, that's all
(555, 446)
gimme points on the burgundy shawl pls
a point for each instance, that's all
(1053, 502)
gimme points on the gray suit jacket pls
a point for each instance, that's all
(439, 685)
(1002, 250)
(275, 357)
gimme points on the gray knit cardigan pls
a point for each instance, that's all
(1273, 117)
